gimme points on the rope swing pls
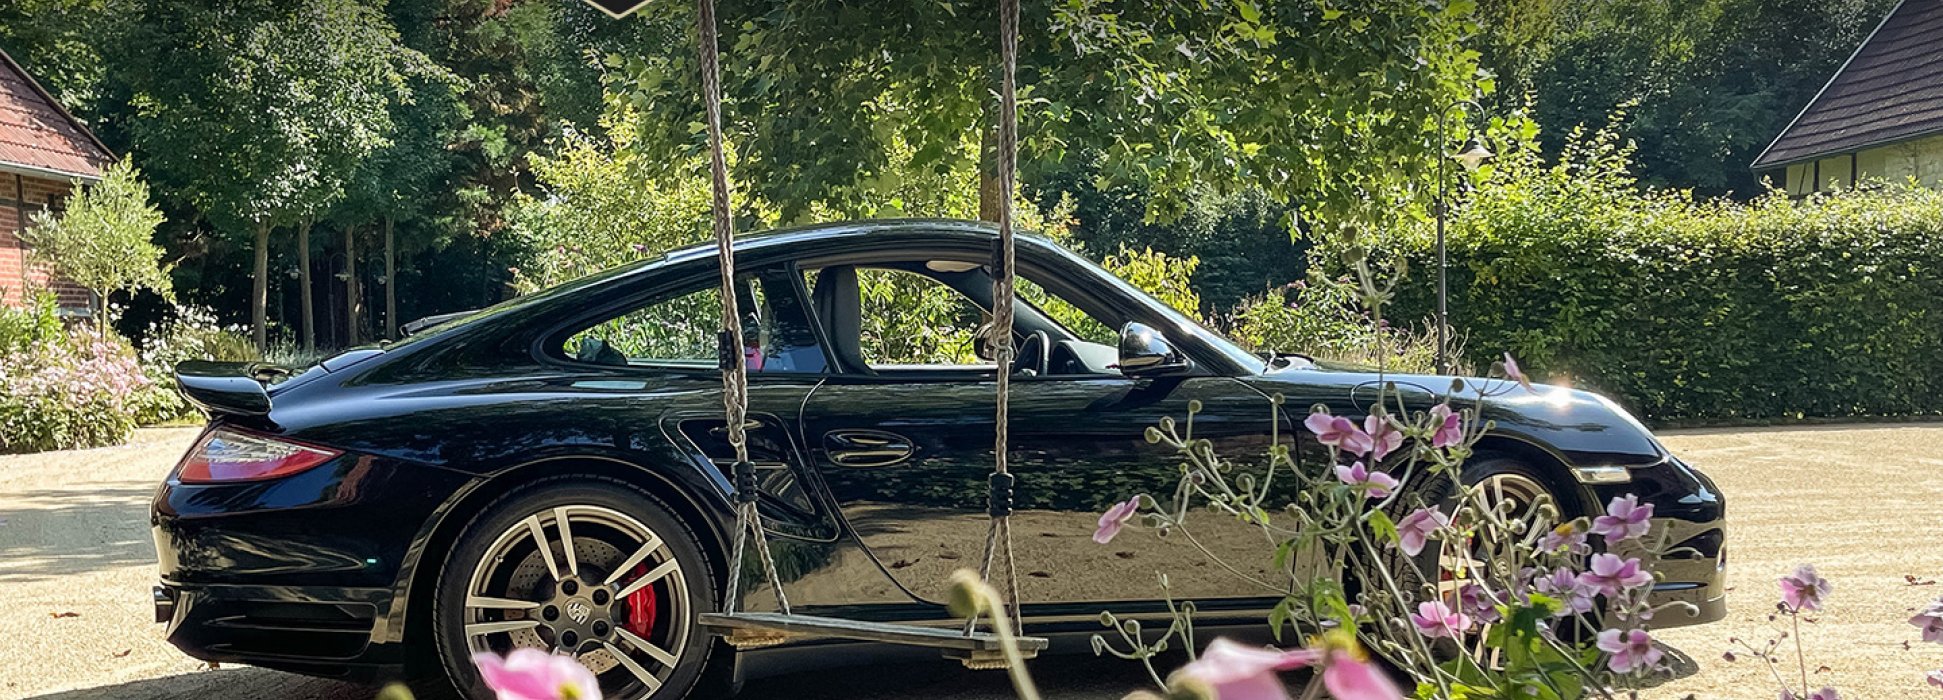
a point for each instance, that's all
(749, 629)
(998, 540)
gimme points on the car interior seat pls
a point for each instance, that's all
(839, 307)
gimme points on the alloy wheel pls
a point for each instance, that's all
(1463, 561)
(587, 581)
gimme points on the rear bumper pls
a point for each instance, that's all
(307, 573)
(319, 631)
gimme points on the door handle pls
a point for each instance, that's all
(867, 448)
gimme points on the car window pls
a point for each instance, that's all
(680, 331)
(911, 319)
(1082, 325)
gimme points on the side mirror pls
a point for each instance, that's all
(1144, 352)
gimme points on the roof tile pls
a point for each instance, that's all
(36, 133)
(1890, 90)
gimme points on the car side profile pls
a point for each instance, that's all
(552, 472)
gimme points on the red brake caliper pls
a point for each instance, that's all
(641, 607)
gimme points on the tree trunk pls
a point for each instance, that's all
(989, 196)
(101, 313)
(350, 286)
(391, 285)
(303, 286)
(260, 289)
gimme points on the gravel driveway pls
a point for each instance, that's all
(1859, 502)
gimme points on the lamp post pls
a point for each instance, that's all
(1470, 156)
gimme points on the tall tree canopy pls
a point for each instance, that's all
(259, 111)
(831, 102)
(1701, 86)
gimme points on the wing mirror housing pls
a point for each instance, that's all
(1144, 352)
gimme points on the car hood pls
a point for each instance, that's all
(1580, 427)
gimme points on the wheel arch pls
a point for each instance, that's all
(420, 582)
(1555, 471)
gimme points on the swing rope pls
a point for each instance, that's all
(735, 373)
(747, 630)
(998, 539)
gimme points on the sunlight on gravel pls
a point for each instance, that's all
(1858, 502)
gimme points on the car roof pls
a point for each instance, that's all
(854, 231)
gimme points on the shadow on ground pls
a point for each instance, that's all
(58, 532)
(1064, 677)
(240, 682)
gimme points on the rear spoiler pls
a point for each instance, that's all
(232, 388)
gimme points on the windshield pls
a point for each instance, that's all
(1179, 324)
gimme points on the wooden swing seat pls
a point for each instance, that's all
(758, 629)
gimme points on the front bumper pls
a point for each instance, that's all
(1691, 517)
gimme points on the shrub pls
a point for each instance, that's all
(36, 323)
(1322, 318)
(193, 334)
(1781, 308)
(68, 394)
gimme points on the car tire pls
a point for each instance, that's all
(498, 591)
(1517, 480)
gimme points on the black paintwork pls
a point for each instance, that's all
(324, 571)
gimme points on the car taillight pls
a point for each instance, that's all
(226, 455)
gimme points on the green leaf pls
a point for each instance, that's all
(1383, 527)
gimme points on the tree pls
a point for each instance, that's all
(104, 242)
(1329, 109)
(258, 110)
(399, 180)
(1699, 87)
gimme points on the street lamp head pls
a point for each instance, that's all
(1473, 154)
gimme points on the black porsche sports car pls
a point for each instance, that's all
(550, 471)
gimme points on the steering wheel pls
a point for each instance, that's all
(1034, 355)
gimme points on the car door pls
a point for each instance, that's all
(905, 443)
(657, 353)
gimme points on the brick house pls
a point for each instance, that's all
(43, 151)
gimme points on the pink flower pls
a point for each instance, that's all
(1564, 585)
(1512, 372)
(1804, 589)
(1416, 528)
(1338, 432)
(1625, 519)
(1610, 575)
(1384, 436)
(1935, 678)
(1375, 484)
(1115, 518)
(1435, 619)
(1564, 539)
(1349, 677)
(1450, 426)
(1239, 672)
(1474, 602)
(1631, 650)
(1930, 620)
(532, 674)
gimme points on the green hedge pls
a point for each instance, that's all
(1778, 309)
